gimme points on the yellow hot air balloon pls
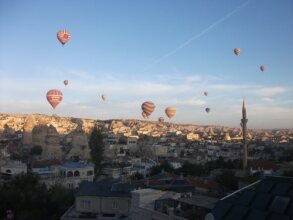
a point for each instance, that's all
(148, 108)
(170, 112)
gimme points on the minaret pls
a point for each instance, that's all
(244, 133)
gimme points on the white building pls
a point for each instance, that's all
(12, 167)
(70, 174)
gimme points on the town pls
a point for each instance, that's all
(148, 170)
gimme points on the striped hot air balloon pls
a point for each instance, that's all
(161, 119)
(206, 93)
(104, 97)
(170, 112)
(63, 36)
(144, 115)
(262, 68)
(65, 82)
(54, 97)
(237, 51)
(148, 108)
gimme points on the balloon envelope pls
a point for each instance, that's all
(170, 112)
(237, 51)
(144, 115)
(161, 119)
(148, 108)
(208, 110)
(63, 36)
(54, 97)
(262, 68)
(65, 82)
(206, 93)
(104, 97)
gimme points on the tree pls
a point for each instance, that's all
(136, 176)
(36, 150)
(191, 169)
(228, 180)
(30, 199)
(164, 166)
(97, 147)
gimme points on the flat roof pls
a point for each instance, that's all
(200, 200)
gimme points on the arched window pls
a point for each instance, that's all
(8, 171)
(76, 173)
(69, 174)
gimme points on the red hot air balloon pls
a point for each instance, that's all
(54, 97)
(63, 36)
(262, 68)
(206, 93)
(148, 108)
(237, 51)
(65, 82)
(170, 112)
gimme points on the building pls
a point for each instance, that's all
(264, 167)
(270, 198)
(13, 167)
(101, 200)
(151, 204)
(69, 174)
(143, 205)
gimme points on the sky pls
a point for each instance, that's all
(165, 51)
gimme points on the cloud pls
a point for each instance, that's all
(230, 87)
(268, 91)
(193, 78)
(191, 102)
(267, 99)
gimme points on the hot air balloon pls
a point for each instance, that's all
(208, 110)
(161, 119)
(63, 36)
(237, 51)
(104, 97)
(144, 115)
(54, 97)
(148, 108)
(262, 68)
(170, 112)
(65, 82)
(206, 93)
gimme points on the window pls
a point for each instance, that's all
(69, 174)
(115, 205)
(85, 204)
(76, 173)
(89, 173)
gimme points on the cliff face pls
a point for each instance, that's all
(59, 137)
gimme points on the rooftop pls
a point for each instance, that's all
(200, 200)
(270, 198)
(104, 189)
(74, 165)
